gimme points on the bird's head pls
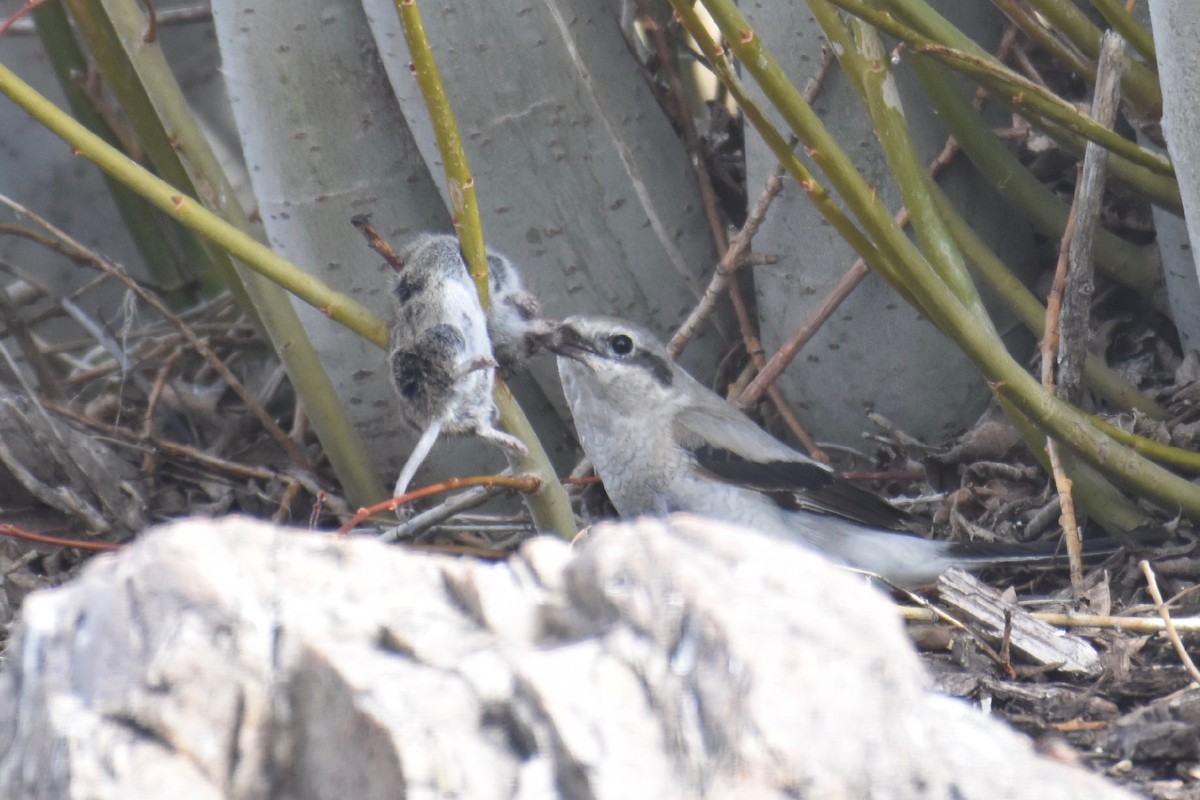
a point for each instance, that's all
(614, 362)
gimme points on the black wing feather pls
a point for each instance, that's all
(803, 485)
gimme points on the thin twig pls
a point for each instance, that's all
(129, 438)
(362, 223)
(25, 8)
(61, 492)
(49, 242)
(18, 328)
(739, 246)
(1049, 347)
(733, 258)
(12, 531)
(150, 458)
(1075, 327)
(199, 345)
(183, 15)
(300, 426)
(18, 373)
(336, 503)
(683, 115)
(151, 33)
(833, 299)
(784, 356)
(857, 272)
(452, 506)
(20, 562)
(526, 484)
(758, 359)
(284, 512)
(1168, 624)
(1099, 621)
(931, 613)
(1027, 66)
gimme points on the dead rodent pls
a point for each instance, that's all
(441, 356)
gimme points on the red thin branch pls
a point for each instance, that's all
(13, 532)
(527, 484)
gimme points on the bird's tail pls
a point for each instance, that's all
(976, 555)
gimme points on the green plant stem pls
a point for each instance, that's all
(887, 117)
(464, 207)
(920, 15)
(1138, 84)
(550, 506)
(190, 213)
(842, 41)
(978, 342)
(1099, 376)
(1125, 24)
(1125, 263)
(1160, 190)
(1033, 100)
(854, 67)
(1059, 419)
(1092, 492)
(931, 35)
(1067, 425)
(860, 198)
(161, 115)
(1147, 172)
(1155, 451)
(777, 143)
(196, 217)
(132, 80)
(145, 224)
(1026, 20)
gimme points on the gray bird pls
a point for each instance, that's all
(662, 442)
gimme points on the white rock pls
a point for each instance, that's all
(664, 659)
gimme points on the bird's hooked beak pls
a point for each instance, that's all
(562, 340)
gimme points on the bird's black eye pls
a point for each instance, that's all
(621, 344)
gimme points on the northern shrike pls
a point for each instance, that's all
(662, 442)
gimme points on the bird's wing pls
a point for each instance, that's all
(729, 446)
